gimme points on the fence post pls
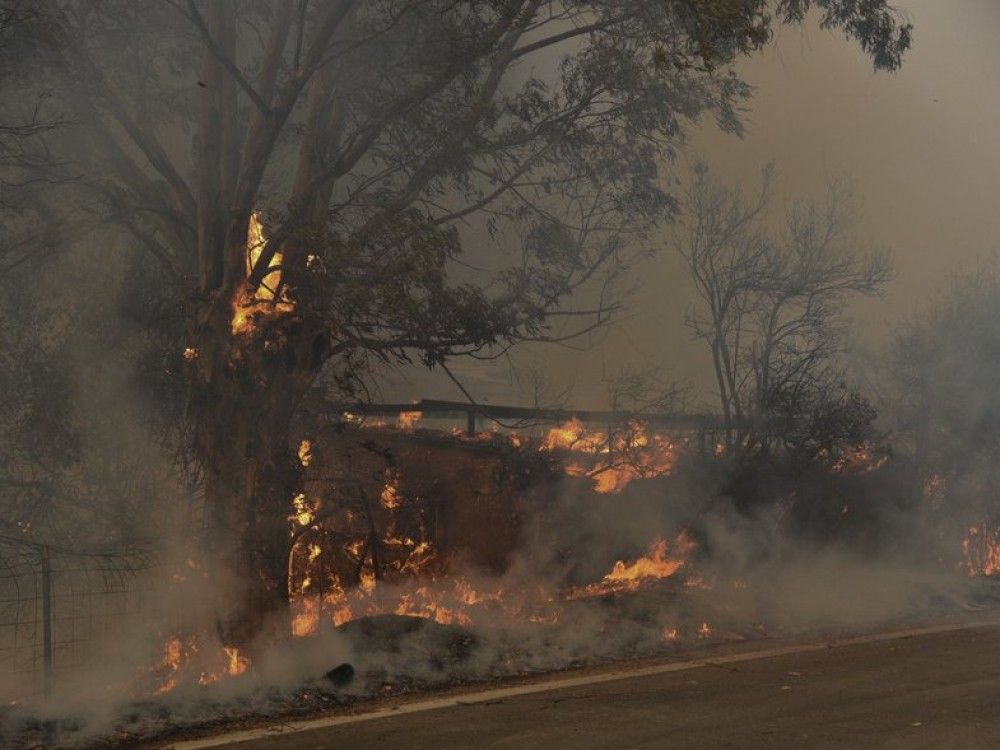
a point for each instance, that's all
(47, 619)
(470, 422)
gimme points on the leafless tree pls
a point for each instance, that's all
(771, 309)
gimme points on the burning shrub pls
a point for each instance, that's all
(389, 513)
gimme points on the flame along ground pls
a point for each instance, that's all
(182, 660)
(419, 588)
(194, 658)
(612, 461)
(981, 545)
(454, 599)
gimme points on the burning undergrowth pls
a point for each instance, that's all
(420, 559)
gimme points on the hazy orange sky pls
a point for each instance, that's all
(919, 147)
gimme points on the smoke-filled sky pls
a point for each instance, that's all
(919, 148)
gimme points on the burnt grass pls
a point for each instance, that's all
(401, 656)
(395, 656)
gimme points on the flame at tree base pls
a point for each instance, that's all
(455, 601)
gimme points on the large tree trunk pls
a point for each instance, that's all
(246, 388)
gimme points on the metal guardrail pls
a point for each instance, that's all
(471, 412)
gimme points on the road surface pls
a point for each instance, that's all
(938, 688)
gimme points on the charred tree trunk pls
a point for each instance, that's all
(247, 386)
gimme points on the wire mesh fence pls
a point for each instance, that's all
(56, 604)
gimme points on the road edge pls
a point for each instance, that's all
(610, 675)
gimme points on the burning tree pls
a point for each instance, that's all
(305, 175)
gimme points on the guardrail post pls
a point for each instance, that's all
(47, 620)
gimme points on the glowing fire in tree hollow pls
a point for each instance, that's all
(305, 452)
(270, 297)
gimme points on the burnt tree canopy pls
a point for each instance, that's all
(314, 186)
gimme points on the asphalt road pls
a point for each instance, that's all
(932, 690)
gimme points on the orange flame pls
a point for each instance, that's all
(614, 462)
(655, 565)
(573, 436)
(181, 659)
(305, 453)
(237, 663)
(861, 459)
(306, 620)
(270, 296)
(981, 549)
(408, 419)
(303, 510)
(390, 497)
